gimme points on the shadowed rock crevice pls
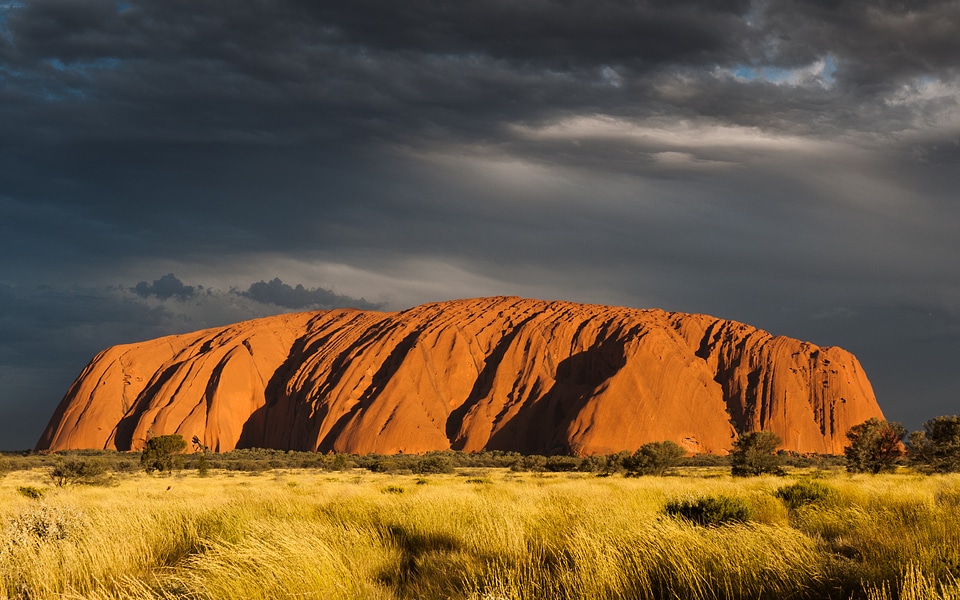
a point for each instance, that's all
(547, 419)
(482, 386)
(125, 428)
(378, 381)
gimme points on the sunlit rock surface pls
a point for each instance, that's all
(489, 373)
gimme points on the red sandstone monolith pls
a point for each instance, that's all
(490, 373)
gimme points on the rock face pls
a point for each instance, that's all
(490, 373)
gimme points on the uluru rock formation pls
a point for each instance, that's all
(490, 373)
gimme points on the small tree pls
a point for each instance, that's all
(79, 471)
(161, 452)
(937, 448)
(755, 454)
(875, 446)
(604, 465)
(654, 458)
(203, 469)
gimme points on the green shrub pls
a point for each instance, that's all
(805, 492)
(711, 510)
(31, 492)
(937, 448)
(247, 465)
(480, 480)
(203, 468)
(124, 466)
(754, 454)
(434, 464)
(707, 460)
(79, 471)
(875, 446)
(655, 458)
(533, 462)
(384, 465)
(604, 465)
(162, 453)
(562, 464)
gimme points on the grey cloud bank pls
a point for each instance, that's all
(791, 165)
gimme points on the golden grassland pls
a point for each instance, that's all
(477, 534)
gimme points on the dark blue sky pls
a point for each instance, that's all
(168, 166)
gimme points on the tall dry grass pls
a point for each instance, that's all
(478, 535)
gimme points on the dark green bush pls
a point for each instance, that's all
(936, 449)
(248, 465)
(203, 466)
(31, 492)
(706, 460)
(79, 471)
(384, 465)
(162, 453)
(655, 458)
(124, 466)
(875, 446)
(562, 464)
(805, 492)
(437, 463)
(711, 510)
(532, 462)
(755, 454)
(480, 480)
(607, 465)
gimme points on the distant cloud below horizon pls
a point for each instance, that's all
(792, 165)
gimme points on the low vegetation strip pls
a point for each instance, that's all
(308, 533)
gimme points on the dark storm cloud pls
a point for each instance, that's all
(279, 293)
(881, 42)
(771, 161)
(640, 33)
(166, 287)
(188, 106)
(281, 73)
(295, 79)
